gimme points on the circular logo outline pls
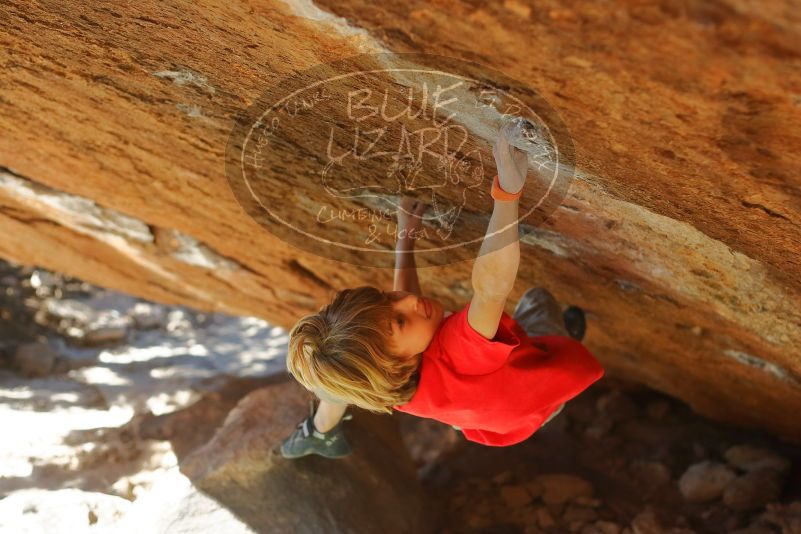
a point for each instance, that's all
(562, 144)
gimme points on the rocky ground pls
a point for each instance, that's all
(619, 459)
(92, 383)
(100, 390)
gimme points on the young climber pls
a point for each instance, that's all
(496, 378)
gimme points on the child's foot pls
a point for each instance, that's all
(575, 322)
(308, 440)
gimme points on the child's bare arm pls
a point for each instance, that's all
(495, 269)
(409, 213)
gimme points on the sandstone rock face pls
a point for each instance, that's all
(679, 233)
(375, 489)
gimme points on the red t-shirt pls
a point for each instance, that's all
(498, 391)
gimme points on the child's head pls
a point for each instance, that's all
(345, 352)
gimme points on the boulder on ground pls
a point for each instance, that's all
(375, 489)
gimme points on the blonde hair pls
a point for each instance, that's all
(344, 353)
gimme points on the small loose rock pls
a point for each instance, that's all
(515, 496)
(104, 334)
(750, 458)
(545, 519)
(579, 513)
(73, 311)
(35, 359)
(607, 527)
(646, 522)
(562, 488)
(753, 490)
(657, 410)
(588, 501)
(705, 481)
(650, 473)
(502, 478)
(147, 316)
(599, 428)
(617, 406)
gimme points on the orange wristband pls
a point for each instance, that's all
(499, 194)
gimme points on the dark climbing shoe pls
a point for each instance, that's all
(308, 440)
(575, 322)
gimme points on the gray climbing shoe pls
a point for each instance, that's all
(575, 322)
(308, 440)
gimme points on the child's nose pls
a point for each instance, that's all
(415, 304)
(411, 303)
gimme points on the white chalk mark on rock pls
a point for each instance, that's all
(771, 368)
(553, 242)
(123, 232)
(186, 77)
(306, 9)
(191, 110)
(78, 213)
(190, 250)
